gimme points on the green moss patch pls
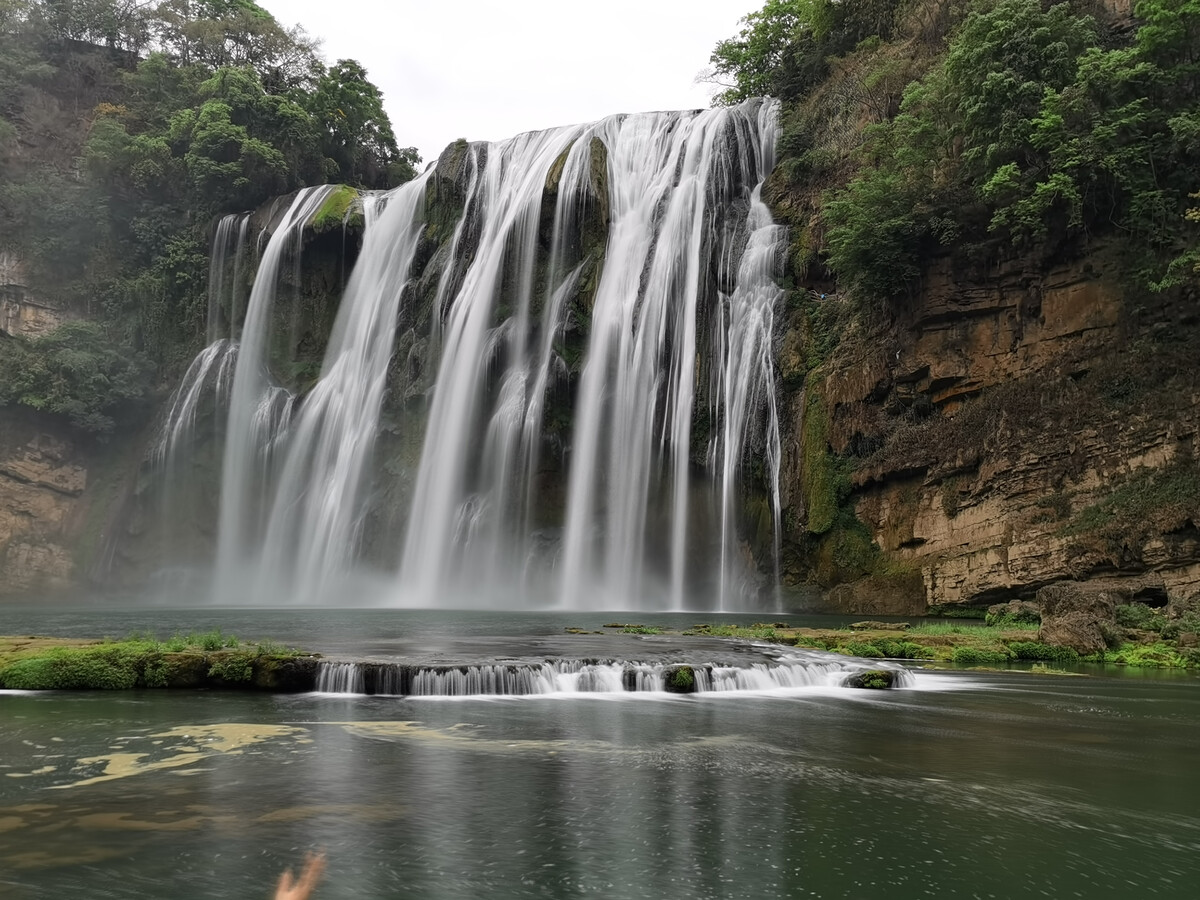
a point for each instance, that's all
(206, 660)
(336, 211)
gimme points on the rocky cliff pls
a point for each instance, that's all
(1008, 429)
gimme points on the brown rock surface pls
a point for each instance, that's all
(1076, 616)
(999, 414)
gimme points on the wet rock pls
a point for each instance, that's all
(287, 675)
(679, 680)
(872, 625)
(1078, 616)
(871, 679)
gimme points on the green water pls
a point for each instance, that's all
(969, 785)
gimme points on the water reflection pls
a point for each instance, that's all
(1022, 787)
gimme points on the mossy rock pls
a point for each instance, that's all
(871, 679)
(679, 680)
(337, 211)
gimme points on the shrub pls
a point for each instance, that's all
(1043, 652)
(976, 656)
(859, 648)
(233, 667)
(1141, 616)
(894, 649)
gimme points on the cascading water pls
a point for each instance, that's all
(258, 408)
(582, 676)
(315, 515)
(670, 191)
(568, 301)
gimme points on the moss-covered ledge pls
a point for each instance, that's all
(209, 660)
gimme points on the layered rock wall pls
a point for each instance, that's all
(1005, 429)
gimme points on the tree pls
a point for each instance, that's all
(750, 65)
(356, 133)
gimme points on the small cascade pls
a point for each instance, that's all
(590, 676)
(259, 410)
(207, 380)
(225, 277)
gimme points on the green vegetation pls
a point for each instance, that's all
(125, 128)
(1158, 499)
(975, 645)
(336, 209)
(210, 659)
(1025, 619)
(76, 371)
(679, 680)
(991, 127)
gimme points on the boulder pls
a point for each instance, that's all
(679, 680)
(871, 679)
(1078, 616)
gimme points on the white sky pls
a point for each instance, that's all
(489, 70)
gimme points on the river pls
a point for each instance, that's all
(964, 784)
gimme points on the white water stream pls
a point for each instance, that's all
(570, 343)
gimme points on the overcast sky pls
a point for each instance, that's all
(489, 69)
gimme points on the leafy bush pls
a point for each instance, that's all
(234, 667)
(92, 668)
(77, 371)
(895, 649)
(860, 648)
(975, 656)
(1141, 616)
(1151, 656)
(1036, 650)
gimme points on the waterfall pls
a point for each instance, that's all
(544, 317)
(506, 192)
(675, 187)
(316, 512)
(746, 370)
(258, 408)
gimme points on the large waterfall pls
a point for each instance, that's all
(549, 364)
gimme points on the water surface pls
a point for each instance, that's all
(968, 785)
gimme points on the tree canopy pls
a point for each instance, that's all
(126, 126)
(1023, 126)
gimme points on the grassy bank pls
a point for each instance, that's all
(958, 642)
(209, 660)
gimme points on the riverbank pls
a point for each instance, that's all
(963, 644)
(214, 660)
(209, 660)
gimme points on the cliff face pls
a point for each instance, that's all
(41, 480)
(1011, 430)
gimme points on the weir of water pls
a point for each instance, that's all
(586, 315)
(590, 676)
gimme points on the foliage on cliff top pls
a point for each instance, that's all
(998, 127)
(125, 127)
